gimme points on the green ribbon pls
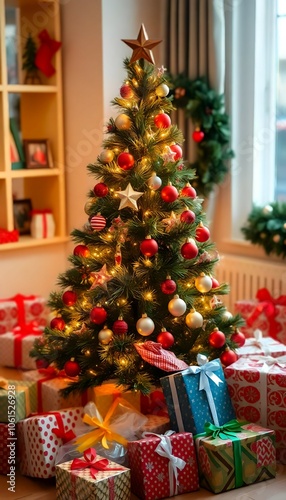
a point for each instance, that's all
(228, 431)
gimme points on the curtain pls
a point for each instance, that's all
(195, 45)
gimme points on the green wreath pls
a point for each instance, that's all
(266, 226)
(212, 132)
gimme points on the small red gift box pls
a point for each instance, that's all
(163, 465)
(40, 437)
(257, 389)
(265, 313)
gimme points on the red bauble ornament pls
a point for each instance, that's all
(69, 298)
(189, 191)
(202, 234)
(98, 315)
(187, 216)
(57, 324)
(168, 286)
(126, 91)
(97, 222)
(189, 250)
(125, 161)
(119, 327)
(100, 190)
(215, 283)
(228, 357)
(72, 368)
(178, 150)
(217, 339)
(42, 363)
(169, 194)
(166, 339)
(239, 338)
(162, 120)
(81, 251)
(149, 247)
(198, 135)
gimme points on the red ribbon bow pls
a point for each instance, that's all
(90, 461)
(267, 305)
(60, 432)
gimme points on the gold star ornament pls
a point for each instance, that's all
(142, 46)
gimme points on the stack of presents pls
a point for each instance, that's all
(208, 426)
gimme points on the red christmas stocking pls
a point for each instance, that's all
(45, 53)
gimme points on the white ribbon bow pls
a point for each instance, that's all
(164, 449)
(257, 341)
(269, 361)
(206, 369)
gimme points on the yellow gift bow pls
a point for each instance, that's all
(102, 432)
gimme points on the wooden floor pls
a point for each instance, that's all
(45, 489)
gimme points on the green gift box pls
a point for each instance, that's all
(234, 455)
(18, 399)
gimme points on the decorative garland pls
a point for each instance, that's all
(212, 132)
(266, 226)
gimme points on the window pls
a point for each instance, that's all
(280, 149)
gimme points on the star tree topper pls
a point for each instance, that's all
(142, 46)
(129, 197)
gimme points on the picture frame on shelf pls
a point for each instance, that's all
(37, 153)
(22, 215)
(16, 147)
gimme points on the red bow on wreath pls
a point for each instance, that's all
(267, 305)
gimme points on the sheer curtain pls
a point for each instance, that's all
(195, 46)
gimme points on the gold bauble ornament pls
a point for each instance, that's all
(105, 335)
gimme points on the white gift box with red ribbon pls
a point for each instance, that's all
(42, 224)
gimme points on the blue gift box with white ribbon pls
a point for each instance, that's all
(197, 395)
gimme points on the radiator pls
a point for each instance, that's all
(245, 276)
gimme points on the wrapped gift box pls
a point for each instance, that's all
(246, 458)
(8, 448)
(151, 476)
(40, 437)
(155, 423)
(257, 388)
(264, 313)
(15, 348)
(113, 482)
(189, 407)
(261, 346)
(22, 309)
(23, 393)
(49, 384)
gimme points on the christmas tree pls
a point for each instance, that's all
(29, 56)
(140, 297)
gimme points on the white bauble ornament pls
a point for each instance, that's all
(194, 319)
(154, 182)
(106, 156)
(176, 306)
(105, 336)
(145, 326)
(162, 90)
(227, 315)
(267, 209)
(203, 283)
(122, 122)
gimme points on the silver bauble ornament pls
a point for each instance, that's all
(154, 182)
(194, 319)
(203, 283)
(145, 326)
(105, 335)
(227, 315)
(176, 306)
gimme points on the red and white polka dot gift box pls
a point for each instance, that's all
(257, 389)
(41, 436)
(163, 465)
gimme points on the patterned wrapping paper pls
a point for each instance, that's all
(247, 308)
(223, 468)
(150, 479)
(15, 350)
(33, 308)
(264, 346)
(257, 388)
(79, 485)
(25, 394)
(48, 387)
(188, 407)
(39, 444)
(5, 451)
